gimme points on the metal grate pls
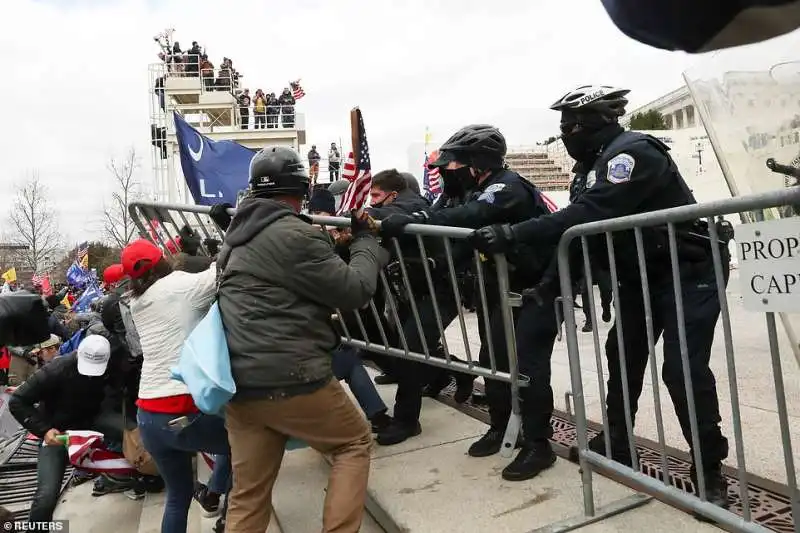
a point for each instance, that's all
(770, 506)
(18, 457)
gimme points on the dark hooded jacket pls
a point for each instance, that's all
(280, 282)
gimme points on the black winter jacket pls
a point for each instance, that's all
(66, 399)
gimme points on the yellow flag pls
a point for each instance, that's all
(85, 262)
(65, 302)
(427, 136)
(10, 275)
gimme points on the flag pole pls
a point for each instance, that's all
(354, 114)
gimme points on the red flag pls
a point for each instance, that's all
(359, 172)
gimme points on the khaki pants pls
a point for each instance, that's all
(330, 423)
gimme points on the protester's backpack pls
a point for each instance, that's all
(72, 344)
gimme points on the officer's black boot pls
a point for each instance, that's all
(533, 458)
(587, 326)
(716, 488)
(396, 432)
(489, 444)
(606, 313)
(620, 451)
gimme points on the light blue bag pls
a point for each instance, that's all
(205, 368)
(205, 365)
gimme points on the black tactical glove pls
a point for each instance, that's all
(495, 239)
(393, 225)
(219, 214)
(362, 224)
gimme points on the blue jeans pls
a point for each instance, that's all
(173, 450)
(347, 366)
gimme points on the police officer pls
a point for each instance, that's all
(631, 173)
(391, 195)
(478, 190)
(601, 277)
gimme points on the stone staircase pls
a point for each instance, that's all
(539, 169)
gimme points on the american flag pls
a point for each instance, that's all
(357, 168)
(431, 178)
(36, 279)
(297, 90)
(82, 255)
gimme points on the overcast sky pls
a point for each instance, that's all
(75, 79)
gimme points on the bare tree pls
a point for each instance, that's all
(34, 223)
(118, 226)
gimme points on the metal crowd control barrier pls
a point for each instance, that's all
(394, 311)
(661, 488)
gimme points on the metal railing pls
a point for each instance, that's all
(670, 286)
(426, 275)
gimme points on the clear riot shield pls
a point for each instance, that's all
(748, 99)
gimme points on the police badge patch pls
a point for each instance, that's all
(591, 179)
(488, 194)
(620, 168)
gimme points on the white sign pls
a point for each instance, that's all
(769, 265)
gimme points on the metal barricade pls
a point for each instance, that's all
(659, 485)
(395, 313)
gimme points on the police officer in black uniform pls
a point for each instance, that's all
(480, 191)
(633, 173)
(600, 277)
(391, 195)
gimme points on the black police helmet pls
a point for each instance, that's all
(477, 139)
(278, 171)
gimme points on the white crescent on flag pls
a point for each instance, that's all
(196, 155)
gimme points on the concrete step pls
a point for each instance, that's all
(91, 514)
(300, 490)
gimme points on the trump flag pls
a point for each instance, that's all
(215, 171)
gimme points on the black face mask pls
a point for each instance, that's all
(463, 177)
(583, 145)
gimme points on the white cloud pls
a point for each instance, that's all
(75, 77)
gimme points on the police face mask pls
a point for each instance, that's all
(463, 177)
(584, 136)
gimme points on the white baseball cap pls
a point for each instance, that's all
(94, 351)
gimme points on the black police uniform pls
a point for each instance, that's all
(506, 198)
(635, 174)
(412, 376)
(601, 277)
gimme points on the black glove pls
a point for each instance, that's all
(393, 225)
(362, 225)
(495, 239)
(212, 245)
(219, 214)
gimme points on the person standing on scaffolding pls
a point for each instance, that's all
(479, 190)
(631, 173)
